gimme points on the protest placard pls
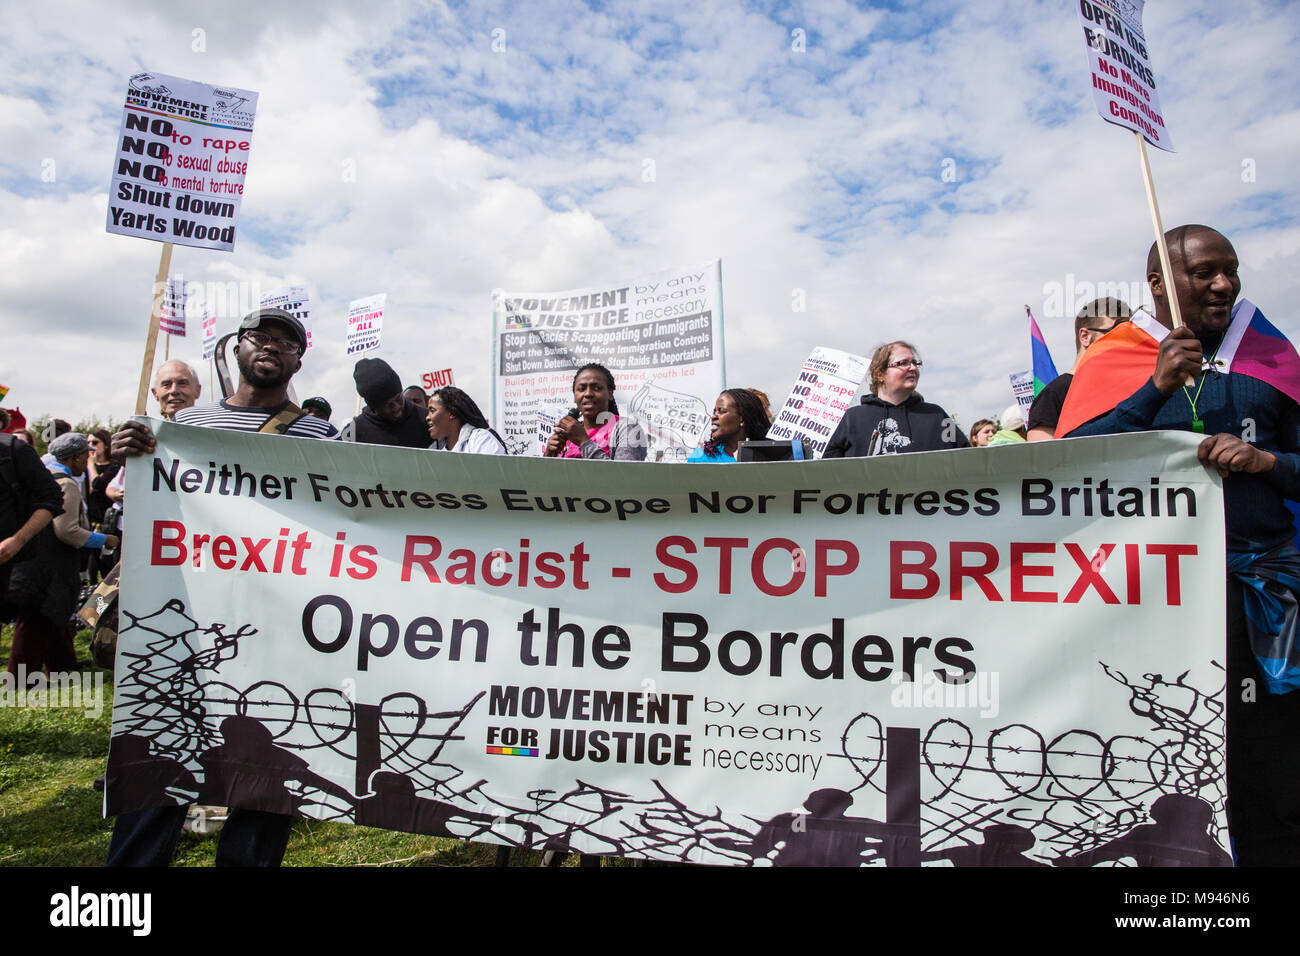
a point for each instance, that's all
(821, 395)
(438, 379)
(294, 300)
(365, 322)
(1022, 387)
(945, 657)
(1119, 68)
(178, 175)
(660, 336)
(547, 416)
(209, 332)
(171, 317)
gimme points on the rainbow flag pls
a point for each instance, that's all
(1044, 367)
(1119, 363)
(4, 390)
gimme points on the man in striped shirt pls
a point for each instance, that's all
(268, 353)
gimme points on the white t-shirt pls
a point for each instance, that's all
(473, 441)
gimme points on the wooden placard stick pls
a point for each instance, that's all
(1162, 247)
(151, 340)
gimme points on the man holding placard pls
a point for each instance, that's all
(1230, 374)
(269, 350)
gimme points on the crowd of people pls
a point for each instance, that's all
(48, 510)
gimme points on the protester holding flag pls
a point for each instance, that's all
(738, 416)
(1227, 372)
(894, 419)
(593, 429)
(456, 424)
(1093, 321)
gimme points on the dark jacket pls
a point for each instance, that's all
(25, 486)
(915, 425)
(50, 582)
(409, 431)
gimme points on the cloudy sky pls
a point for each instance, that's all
(553, 145)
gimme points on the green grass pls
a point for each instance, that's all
(50, 812)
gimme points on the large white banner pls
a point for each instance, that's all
(946, 658)
(178, 175)
(660, 336)
(1119, 68)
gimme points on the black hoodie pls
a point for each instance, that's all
(915, 425)
(409, 431)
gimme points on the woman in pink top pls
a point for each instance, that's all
(593, 429)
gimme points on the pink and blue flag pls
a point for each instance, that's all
(1044, 367)
(1253, 346)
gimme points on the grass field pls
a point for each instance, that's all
(50, 812)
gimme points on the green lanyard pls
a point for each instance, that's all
(1198, 425)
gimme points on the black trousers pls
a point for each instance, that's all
(1263, 756)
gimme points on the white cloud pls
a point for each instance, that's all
(475, 169)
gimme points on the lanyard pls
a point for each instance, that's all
(1198, 424)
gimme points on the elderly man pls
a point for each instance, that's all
(1093, 321)
(1228, 374)
(175, 386)
(268, 353)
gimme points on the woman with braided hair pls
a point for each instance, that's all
(456, 424)
(738, 416)
(592, 429)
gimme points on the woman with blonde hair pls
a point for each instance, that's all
(894, 419)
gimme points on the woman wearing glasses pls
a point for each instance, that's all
(894, 419)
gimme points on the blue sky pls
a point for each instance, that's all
(505, 145)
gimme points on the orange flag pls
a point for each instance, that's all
(1113, 368)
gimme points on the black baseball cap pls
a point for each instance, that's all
(320, 403)
(257, 317)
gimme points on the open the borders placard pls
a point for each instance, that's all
(947, 657)
(178, 175)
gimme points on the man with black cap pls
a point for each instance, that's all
(389, 418)
(317, 407)
(268, 353)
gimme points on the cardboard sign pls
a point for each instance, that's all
(182, 154)
(659, 335)
(826, 385)
(294, 300)
(1120, 74)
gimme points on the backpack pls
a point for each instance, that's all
(100, 615)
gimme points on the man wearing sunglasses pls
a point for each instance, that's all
(1093, 321)
(268, 353)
